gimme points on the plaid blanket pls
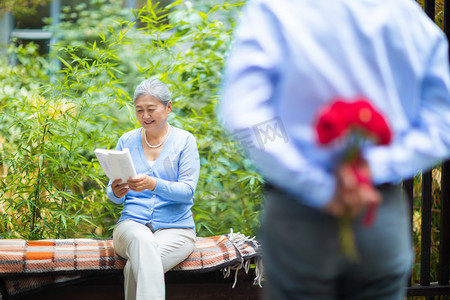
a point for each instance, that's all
(28, 265)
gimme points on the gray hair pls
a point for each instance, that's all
(155, 88)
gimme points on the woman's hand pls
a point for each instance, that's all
(119, 189)
(141, 182)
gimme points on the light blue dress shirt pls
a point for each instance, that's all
(292, 57)
(176, 171)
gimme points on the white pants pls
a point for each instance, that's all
(149, 255)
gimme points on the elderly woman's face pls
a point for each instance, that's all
(151, 113)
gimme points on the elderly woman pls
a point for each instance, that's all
(156, 230)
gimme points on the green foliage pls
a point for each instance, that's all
(188, 53)
(21, 80)
(21, 7)
(54, 186)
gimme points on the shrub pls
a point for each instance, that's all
(55, 187)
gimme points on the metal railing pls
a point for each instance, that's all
(427, 287)
(441, 285)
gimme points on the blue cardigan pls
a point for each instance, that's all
(176, 171)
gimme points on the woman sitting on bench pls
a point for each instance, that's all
(156, 229)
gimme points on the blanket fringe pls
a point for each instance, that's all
(239, 240)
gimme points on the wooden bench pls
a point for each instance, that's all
(76, 268)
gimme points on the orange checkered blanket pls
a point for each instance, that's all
(28, 265)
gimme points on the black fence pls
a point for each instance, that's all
(425, 286)
(438, 11)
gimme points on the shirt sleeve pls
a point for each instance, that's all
(250, 98)
(427, 140)
(183, 189)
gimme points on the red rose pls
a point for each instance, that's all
(340, 117)
(365, 117)
(332, 122)
(359, 118)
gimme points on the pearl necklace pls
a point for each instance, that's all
(164, 139)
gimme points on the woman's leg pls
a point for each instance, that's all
(144, 276)
(174, 244)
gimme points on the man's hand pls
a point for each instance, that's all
(352, 195)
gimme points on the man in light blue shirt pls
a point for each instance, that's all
(289, 59)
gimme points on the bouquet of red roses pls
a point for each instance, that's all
(356, 124)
